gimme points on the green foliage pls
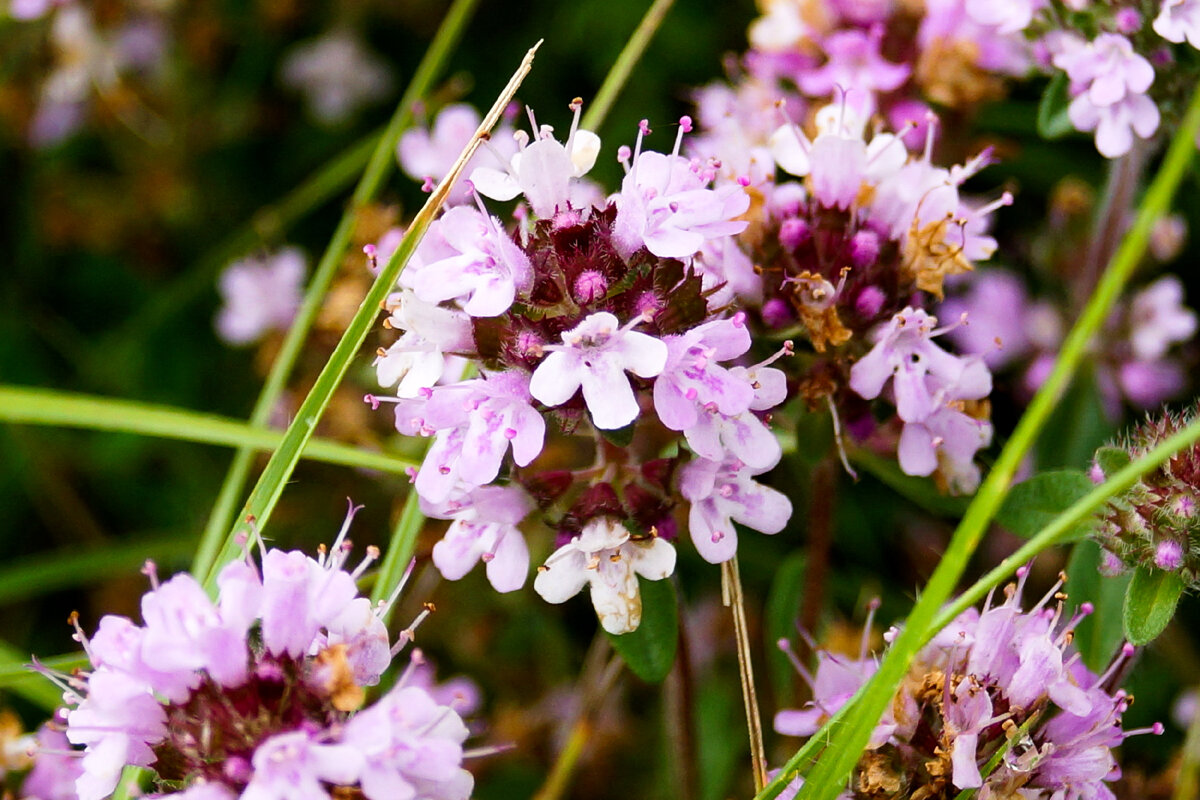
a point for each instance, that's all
(649, 651)
(1098, 635)
(1034, 503)
(779, 621)
(1052, 119)
(1150, 602)
(1112, 459)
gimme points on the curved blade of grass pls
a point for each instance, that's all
(70, 410)
(829, 775)
(622, 68)
(381, 161)
(403, 541)
(275, 476)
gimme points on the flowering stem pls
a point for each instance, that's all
(70, 410)
(623, 66)
(279, 469)
(820, 540)
(378, 167)
(828, 776)
(600, 671)
(1044, 539)
(731, 595)
(1124, 177)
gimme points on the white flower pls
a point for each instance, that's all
(605, 557)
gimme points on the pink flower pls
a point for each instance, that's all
(1178, 20)
(291, 766)
(260, 295)
(467, 257)
(427, 155)
(337, 75)
(722, 493)
(1109, 81)
(605, 557)
(594, 356)
(856, 66)
(1158, 319)
(691, 378)
(904, 354)
(484, 527)
(665, 205)
(409, 746)
(476, 421)
(542, 171)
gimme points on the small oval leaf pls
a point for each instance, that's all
(1033, 504)
(1053, 122)
(1150, 603)
(650, 650)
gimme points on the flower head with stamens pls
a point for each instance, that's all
(997, 701)
(258, 694)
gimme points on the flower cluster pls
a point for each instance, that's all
(1137, 361)
(260, 694)
(892, 58)
(845, 258)
(1156, 523)
(996, 702)
(592, 318)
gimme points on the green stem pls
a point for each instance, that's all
(399, 553)
(1061, 526)
(378, 167)
(69, 410)
(279, 469)
(829, 775)
(622, 68)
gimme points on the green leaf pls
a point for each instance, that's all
(1052, 119)
(621, 437)
(1098, 635)
(1033, 504)
(783, 606)
(1150, 603)
(1112, 460)
(650, 650)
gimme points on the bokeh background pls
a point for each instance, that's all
(111, 241)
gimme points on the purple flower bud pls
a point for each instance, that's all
(590, 286)
(870, 302)
(1168, 555)
(793, 233)
(776, 313)
(864, 248)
